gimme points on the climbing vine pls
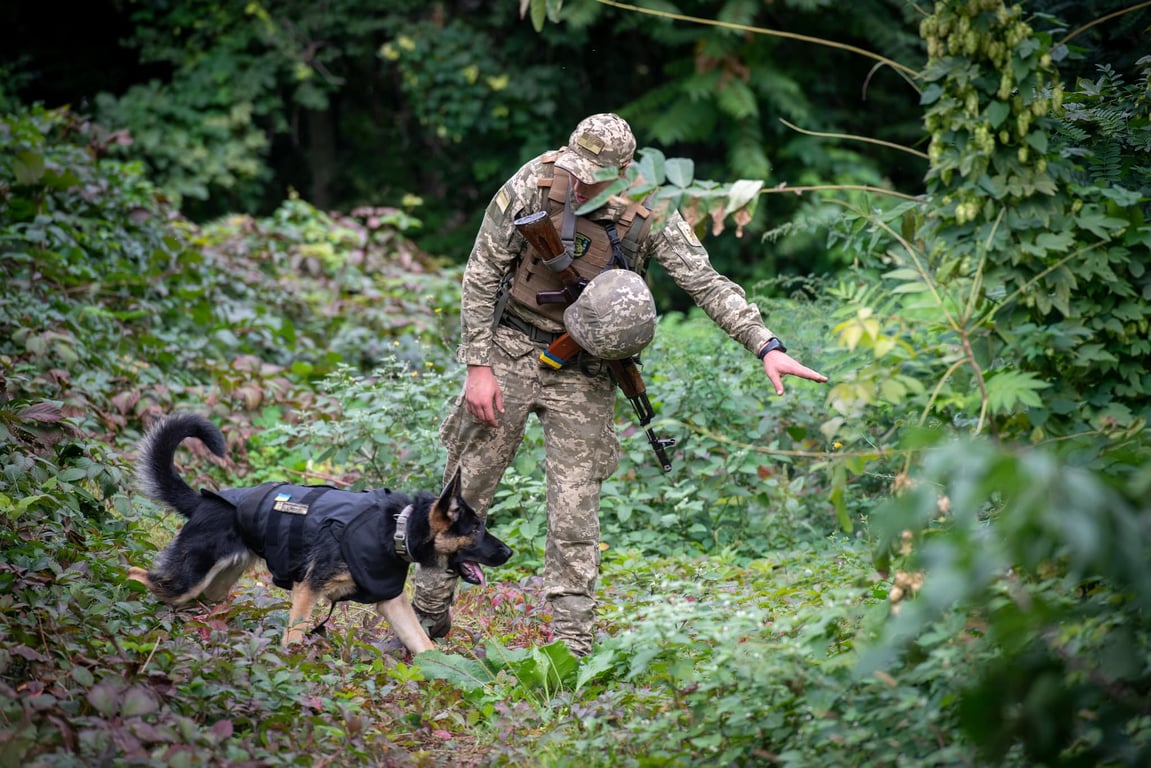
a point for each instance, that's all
(1058, 261)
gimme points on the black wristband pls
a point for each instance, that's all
(771, 345)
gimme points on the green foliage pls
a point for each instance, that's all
(385, 426)
(1106, 123)
(1017, 294)
(460, 98)
(1051, 563)
(1015, 302)
(241, 75)
(818, 582)
(667, 185)
(118, 309)
(717, 662)
(114, 310)
(725, 86)
(192, 148)
(1015, 226)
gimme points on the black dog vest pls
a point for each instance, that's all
(283, 523)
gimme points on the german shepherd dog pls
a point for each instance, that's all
(317, 541)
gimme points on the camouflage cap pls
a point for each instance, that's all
(614, 317)
(598, 142)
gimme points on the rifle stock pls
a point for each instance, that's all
(538, 230)
(560, 352)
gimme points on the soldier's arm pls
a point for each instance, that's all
(679, 251)
(494, 252)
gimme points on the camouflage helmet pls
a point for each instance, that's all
(614, 317)
(598, 142)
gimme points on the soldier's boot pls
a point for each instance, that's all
(573, 618)
(437, 625)
(432, 601)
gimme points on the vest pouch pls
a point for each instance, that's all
(513, 343)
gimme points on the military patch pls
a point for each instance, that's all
(689, 234)
(283, 503)
(582, 242)
(590, 142)
(503, 199)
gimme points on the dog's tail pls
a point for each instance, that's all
(156, 464)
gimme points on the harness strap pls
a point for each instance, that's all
(322, 628)
(247, 513)
(617, 256)
(296, 538)
(636, 233)
(567, 229)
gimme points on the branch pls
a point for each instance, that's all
(850, 137)
(908, 73)
(782, 187)
(1102, 19)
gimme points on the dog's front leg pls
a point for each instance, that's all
(398, 611)
(304, 600)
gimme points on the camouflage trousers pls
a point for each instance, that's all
(576, 413)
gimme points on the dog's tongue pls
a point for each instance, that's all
(474, 571)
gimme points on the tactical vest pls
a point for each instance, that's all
(279, 521)
(592, 252)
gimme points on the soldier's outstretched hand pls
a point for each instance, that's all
(777, 364)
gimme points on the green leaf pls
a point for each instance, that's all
(28, 167)
(104, 698)
(997, 112)
(680, 171)
(138, 702)
(1008, 389)
(465, 674)
(593, 666)
(741, 194)
(1038, 140)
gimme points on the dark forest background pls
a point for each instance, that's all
(428, 106)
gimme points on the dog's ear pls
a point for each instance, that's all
(450, 504)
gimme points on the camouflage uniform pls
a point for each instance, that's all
(575, 410)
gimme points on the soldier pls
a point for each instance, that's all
(505, 329)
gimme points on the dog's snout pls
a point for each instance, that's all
(505, 552)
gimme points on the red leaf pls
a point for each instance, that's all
(46, 413)
(222, 729)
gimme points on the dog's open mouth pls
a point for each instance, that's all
(471, 572)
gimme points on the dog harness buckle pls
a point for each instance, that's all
(401, 535)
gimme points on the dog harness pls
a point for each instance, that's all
(277, 521)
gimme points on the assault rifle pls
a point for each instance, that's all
(538, 230)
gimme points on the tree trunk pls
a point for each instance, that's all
(321, 156)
